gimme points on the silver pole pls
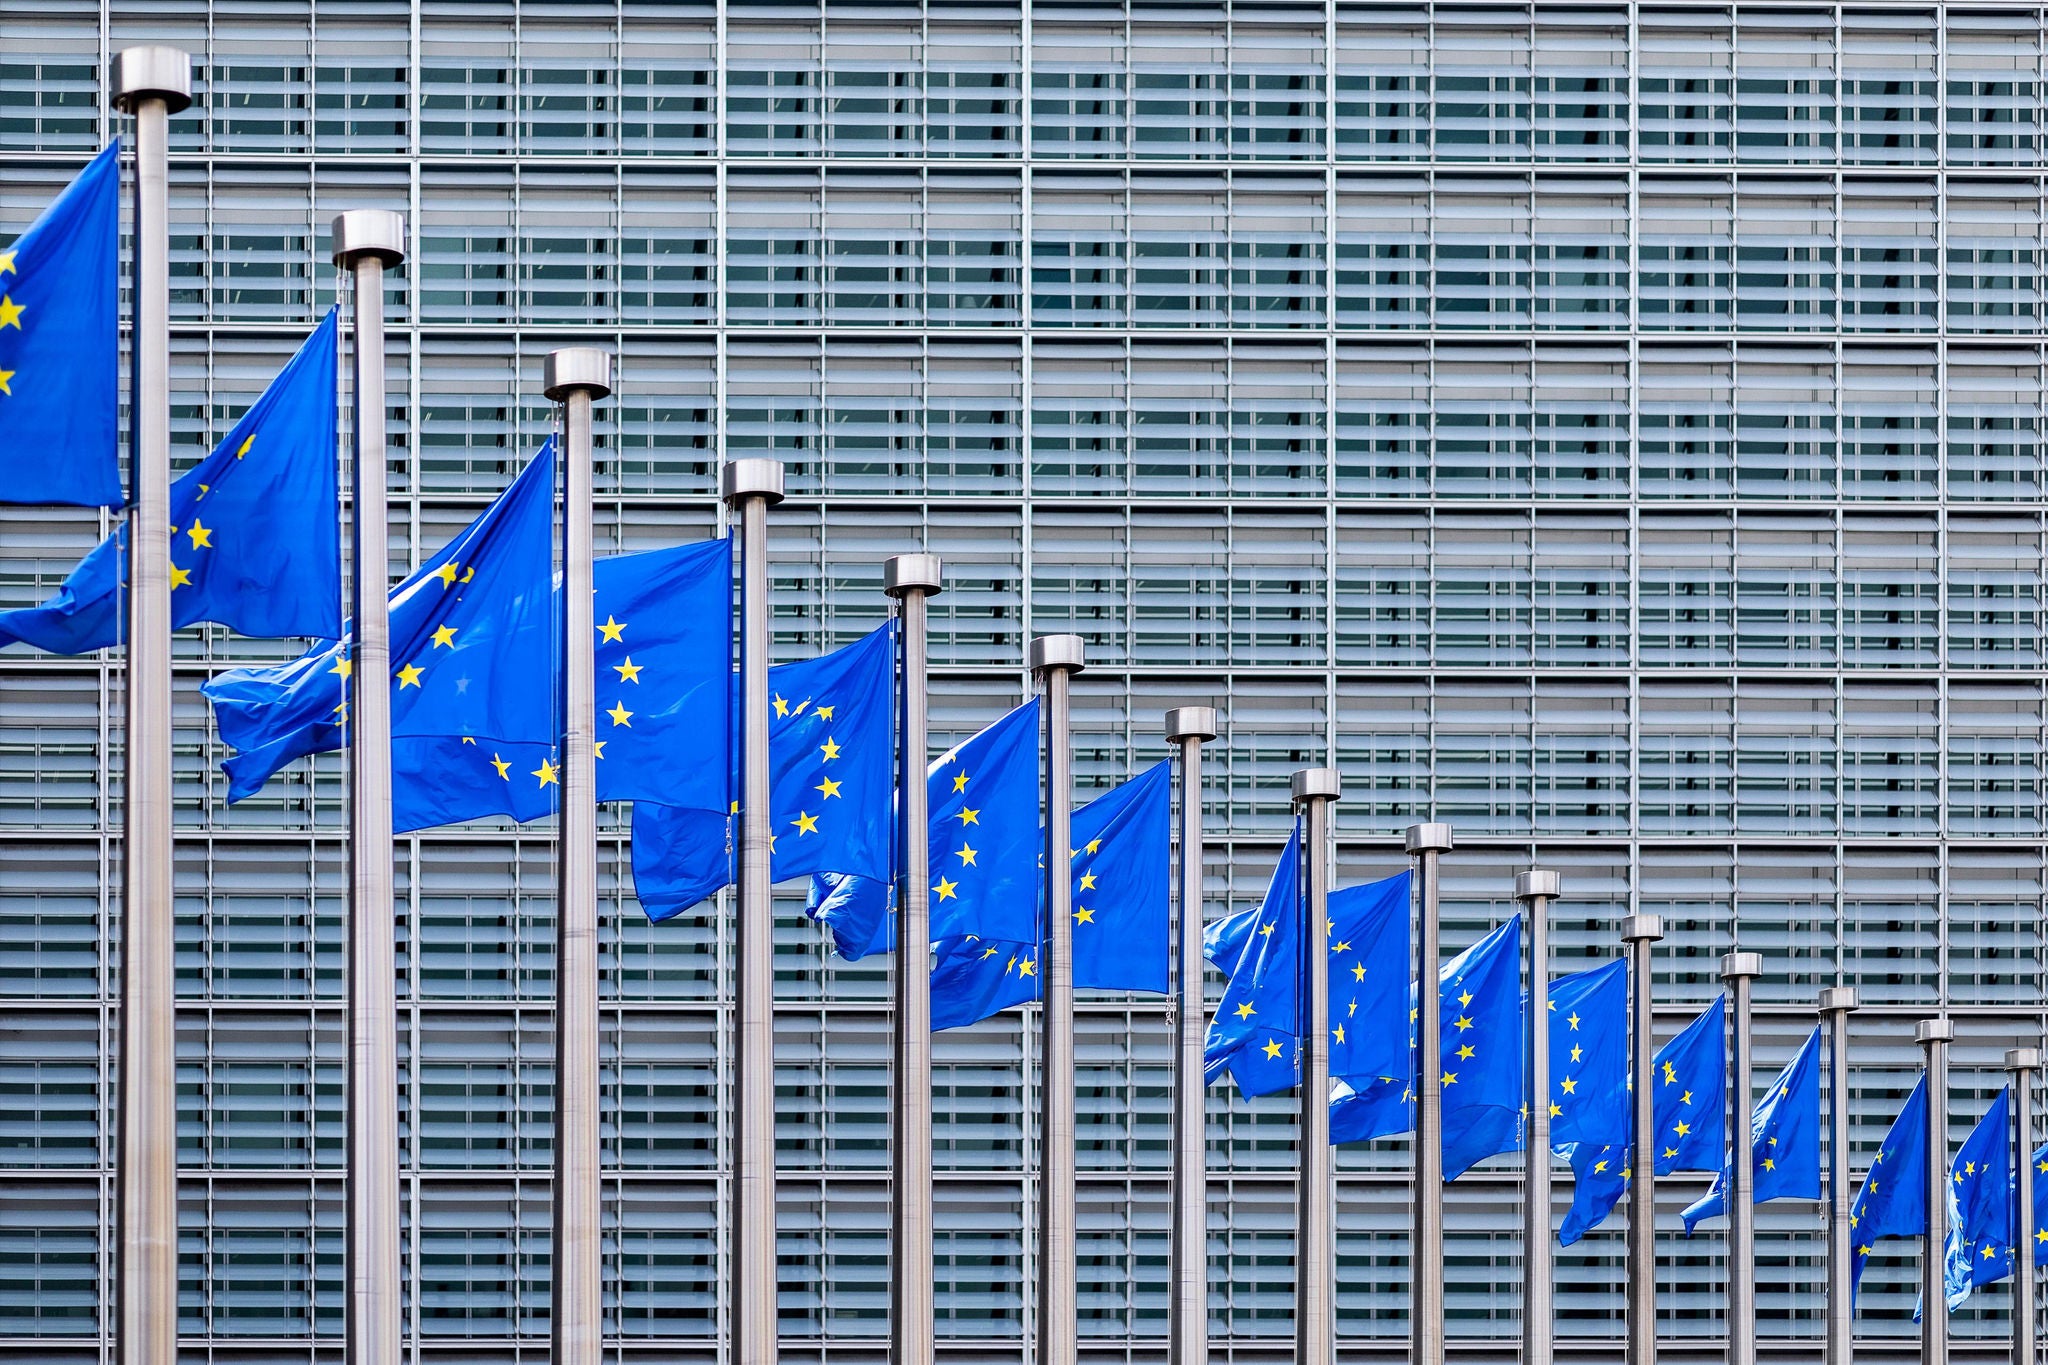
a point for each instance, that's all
(1055, 659)
(1187, 727)
(751, 487)
(1639, 932)
(152, 83)
(912, 580)
(2023, 1062)
(1738, 970)
(366, 241)
(1836, 1005)
(1427, 844)
(1934, 1036)
(575, 377)
(1315, 1225)
(1536, 888)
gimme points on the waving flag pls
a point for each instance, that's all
(1784, 1142)
(60, 348)
(664, 676)
(1589, 1056)
(1256, 1029)
(1980, 1235)
(1893, 1200)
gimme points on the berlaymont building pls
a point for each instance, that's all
(1614, 429)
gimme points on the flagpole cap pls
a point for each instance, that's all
(1430, 838)
(903, 575)
(1538, 883)
(1636, 927)
(1058, 651)
(2023, 1059)
(145, 73)
(577, 369)
(754, 477)
(1934, 1031)
(1838, 999)
(379, 233)
(1190, 722)
(1317, 784)
(1741, 964)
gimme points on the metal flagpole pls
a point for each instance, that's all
(1836, 1005)
(1055, 659)
(1536, 888)
(1314, 1329)
(1639, 932)
(912, 580)
(1427, 844)
(366, 242)
(2023, 1062)
(575, 377)
(1738, 970)
(1187, 727)
(1934, 1036)
(152, 83)
(750, 487)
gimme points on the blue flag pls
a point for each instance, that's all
(831, 768)
(1980, 1237)
(1589, 1056)
(664, 676)
(1256, 1029)
(1893, 1200)
(473, 708)
(1690, 1076)
(255, 539)
(60, 347)
(2039, 1221)
(1119, 870)
(1784, 1140)
(1369, 990)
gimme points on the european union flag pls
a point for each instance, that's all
(1256, 1029)
(831, 763)
(1119, 872)
(60, 347)
(664, 676)
(255, 538)
(1369, 991)
(1691, 1077)
(1979, 1248)
(1893, 1200)
(1784, 1140)
(1589, 1056)
(473, 706)
(1479, 1002)
(2039, 1221)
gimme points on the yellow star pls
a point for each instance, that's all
(7, 262)
(247, 441)
(1770, 1165)
(546, 773)
(1578, 1053)
(829, 749)
(825, 712)
(444, 635)
(342, 666)
(202, 536)
(1990, 1252)
(1573, 1020)
(1027, 968)
(1465, 1000)
(805, 823)
(946, 889)
(1095, 845)
(1682, 1129)
(1358, 971)
(1670, 1074)
(1084, 916)
(409, 676)
(1271, 1049)
(1599, 1167)
(781, 706)
(180, 578)
(6, 375)
(614, 630)
(627, 671)
(969, 817)
(620, 715)
(10, 313)
(1466, 1054)
(1266, 930)
(1087, 881)
(340, 715)
(1245, 1011)
(1569, 1085)
(965, 853)
(447, 573)
(992, 951)
(1341, 948)
(1337, 1033)
(597, 747)
(469, 740)
(2042, 1235)
(829, 787)
(1462, 1022)
(960, 782)
(1556, 1111)
(1450, 1078)
(1670, 1152)
(504, 768)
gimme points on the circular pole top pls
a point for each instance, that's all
(1190, 722)
(906, 574)
(369, 232)
(1834, 999)
(1316, 784)
(151, 73)
(1635, 927)
(577, 368)
(1538, 883)
(1058, 651)
(2023, 1059)
(1741, 964)
(1430, 838)
(1934, 1031)
(754, 477)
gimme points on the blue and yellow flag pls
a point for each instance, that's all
(1979, 1249)
(60, 347)
(1784, 1140)
(1369, 996)
(1589, 1056)
(664, 676)
(255, 529)
(2037, 1221)
(1893, 1200)
(1119, 876)
(831, 790)
(474, 708)
(1256, 1030)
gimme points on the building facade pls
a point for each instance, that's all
(1617, 430)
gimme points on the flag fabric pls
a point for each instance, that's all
(60, 347)
(1784, 1140)
(1589, 1056)
(664, 638)
(1370, 994)
(1255, 1031)
(1690, 1076)
(1893, 1200)
(1980, 1235)
(255, 528)
(2039, 1218)
(1119, 871)
(1479, 1001)
(831, 771)
(474, 710)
